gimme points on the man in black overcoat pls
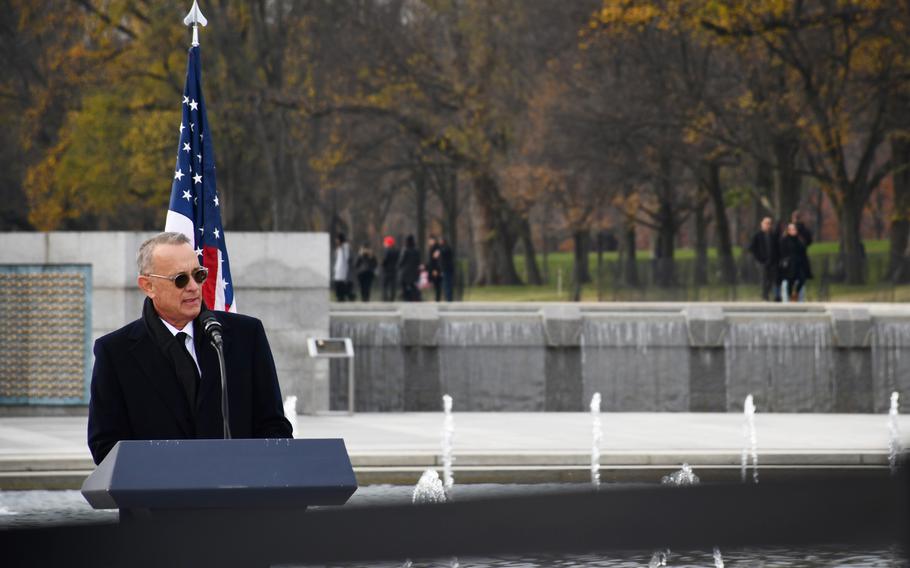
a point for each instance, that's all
(158, 378)
(765, 247)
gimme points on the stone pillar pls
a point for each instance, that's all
(853, 387)
(563, 369)
(707, 329)
(419, 342)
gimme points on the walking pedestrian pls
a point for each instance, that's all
(389, 269)
(341, 273)
(365, 267)
(434, 271)
(765, 248)
(805, 235)
(794, 264)
(409, 271)
(446, 268)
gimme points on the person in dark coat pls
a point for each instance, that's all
(365, 267)
(794, 263)
(765, 248)
(434, 270)
(446, 268)
(389, 269)
(157, 378)
(409, 271)
(805, 235)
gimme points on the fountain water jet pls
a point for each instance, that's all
(718, 559)
(596, 436)
(894, 442)
(684, 476)
(428, 489)
(659, 559)
(448, 434)
(750, 444)
(290, 412)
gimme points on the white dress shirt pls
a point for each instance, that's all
(188, 342)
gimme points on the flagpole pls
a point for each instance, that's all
(195, 18)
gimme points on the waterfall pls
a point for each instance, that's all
(493, 363)
(890, 364)
(636, 365)
(378, 364)
(789, 365)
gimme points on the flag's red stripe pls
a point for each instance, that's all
(210, 261)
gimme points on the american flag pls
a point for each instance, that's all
(194, 209)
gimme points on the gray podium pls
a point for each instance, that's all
(173, 477)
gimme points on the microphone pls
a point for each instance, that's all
(212, 328)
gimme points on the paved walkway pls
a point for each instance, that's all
(395, 447)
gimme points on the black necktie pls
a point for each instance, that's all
(190, 386)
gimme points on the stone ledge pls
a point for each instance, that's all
(852, 327)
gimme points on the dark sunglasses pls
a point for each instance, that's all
(181, 280)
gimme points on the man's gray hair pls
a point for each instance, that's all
(146, 249)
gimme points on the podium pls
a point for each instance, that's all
(168, 477)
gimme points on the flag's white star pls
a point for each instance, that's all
(199, 157)
(200, 136)
(186, 146)
(193, 104)
(186, 99)
(216, 201)
(198, 252)
(201, 229)
(225, 283)
(181, 128)
(195, 201)
(192, 127)
(217, 234)
(178, 175)
(186, 195)
(197, 178)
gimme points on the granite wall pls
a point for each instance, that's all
(640, 357)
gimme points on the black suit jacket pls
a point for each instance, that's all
(136, 395)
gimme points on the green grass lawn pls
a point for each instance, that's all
(561, 263)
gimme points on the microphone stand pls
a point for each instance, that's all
(225, 413)
(212, 328)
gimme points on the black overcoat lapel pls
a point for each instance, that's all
(161, 375)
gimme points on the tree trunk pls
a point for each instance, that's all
(819, 214)
(420, 210)
(530, 255)
(581, 270)
(852, 244)
(701, 244)
(900, 216)
(630, 268)
(789, 181)
(665, 252)
(724, 245)
(494, 238)
(451, 211)
(764, 182)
